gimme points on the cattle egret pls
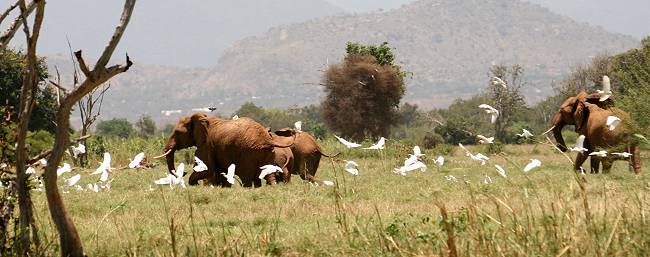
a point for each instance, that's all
(200, 165)
(176, 178)
(440, 161)
(485, 140)
(379, 145)
(135, 163)
(496, 81)
(417, 152)
(104, 168)
(525, 134)
(601, 153)
(451, 178)
(269, 169)
(502, 172)
(66, 168)
(414, 166)
(72, 180)
(30, 170)
(487, 180)
(298, 126)
(43, 162)
(77, 150)
(170, 112)
(579, 145)
(479, 157)
(490, 110)
(230, 176)
(93, 187)
(606, 93)
(352, 168)
(467, 152)
(624, 154)
(348, 144)
(328, 183)
(202, 109)
(236, 117)
(534, 163)
(612, 122)
(3, 165)
(107, 185)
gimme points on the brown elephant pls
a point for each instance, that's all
(220, 143)
(586, 112)
(283, 158)
(306, 153)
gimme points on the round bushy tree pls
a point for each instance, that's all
(363, 92)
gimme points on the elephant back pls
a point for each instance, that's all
(243, 132)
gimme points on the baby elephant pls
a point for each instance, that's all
(306, 153)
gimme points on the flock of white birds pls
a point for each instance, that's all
(412, 163)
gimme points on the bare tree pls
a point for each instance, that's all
(89, 109)
(506, 98)
(69, 238)
(25, 11)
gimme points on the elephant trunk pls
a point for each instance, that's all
(558, 124)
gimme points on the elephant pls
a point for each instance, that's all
(589, 116)
(306, 153)
(283, 158)
(220, 143)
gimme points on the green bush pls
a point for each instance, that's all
(118, 127)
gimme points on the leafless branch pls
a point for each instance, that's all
(9, 33)
(117, 35)
(58, 86)
(82, 65)
(6, 12)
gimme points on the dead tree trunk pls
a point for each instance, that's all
(69, 238)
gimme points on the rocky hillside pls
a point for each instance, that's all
(448, 45)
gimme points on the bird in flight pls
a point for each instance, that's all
(347, 143)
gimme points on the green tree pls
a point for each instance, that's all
(363, 92)
(507, 99)
(11, 80)
(146, 126)
(119, 127)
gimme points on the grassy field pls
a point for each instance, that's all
(546, 212)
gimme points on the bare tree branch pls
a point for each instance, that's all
(6, 12)
(8, 34)
(117, 35)
(82, 65)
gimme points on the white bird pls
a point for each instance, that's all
(170, 112)
(451, 178)
(496, 81)
(200, 165)
(525, 134)
(66, 168)
(612, 122)
(328, 183)
(93, 187)
(490, 110)
(623, 154)
(43, 162)
(176, 178)
(414, 166)
(479, 157)
(347, 143)
(104, 167)
(79, 149)
(379, 145)
(502, 172)
(352, 168)
(269, 169)
(30, 170)
(534, 163)
(236, 117)
(3, 165)
(135, 163)
(417, 152)
(601, 153)
(485, 140)
(487, 180)
(440, 161)
(606, 93)
(107, 185)
(298, 126)
(467, 152)
(70, 182)
(580, 142)
(230, 176)
(202, 109)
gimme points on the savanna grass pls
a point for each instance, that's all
(546, 212)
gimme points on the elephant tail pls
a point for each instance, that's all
(329, 155)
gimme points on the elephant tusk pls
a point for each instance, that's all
(549, 130)
(163, 155)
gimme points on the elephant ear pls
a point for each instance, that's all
(580, 114)
(200, 128)
(285, 132)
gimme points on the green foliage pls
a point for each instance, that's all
(631, 79)
(12, 64)
(146, 126)
(277, 118)
(38, 142)
(118, 127)
(509, 101)
(382, 54)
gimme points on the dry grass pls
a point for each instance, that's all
(546, 212)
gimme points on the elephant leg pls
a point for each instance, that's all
(271, 179)
(635, 159)
(607, 164)
(286, 175)
(196, 176)
(580, 159)
(313, 164)
(595, 164)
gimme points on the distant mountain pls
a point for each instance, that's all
(170, 32)
(631, 17)
(448, 45)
